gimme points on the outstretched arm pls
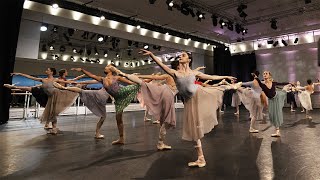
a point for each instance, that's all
(28, 76)
(78, 77)
(154, 77)
(212, 77)
(98, 78)
(163, 66)
(125, 80)
(89, 82)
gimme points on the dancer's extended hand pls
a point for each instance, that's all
(254, 75)
(231, 78)
(145, 52)
(76, 69)
(13, 74)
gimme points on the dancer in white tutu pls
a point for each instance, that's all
(236, 102)
(251, 99)
(304, 97)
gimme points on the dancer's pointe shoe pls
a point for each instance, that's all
(277, 134)
(156, 122)
(221, 112)
(308, 117)
(118, 142)
(9, 86)
(47, 127)
(236, 113)
(292, 110)
(251, 130)
(147, 119)
(53, 131)
(198, 163)
(99, 136)
(162, 146)
(302, 111)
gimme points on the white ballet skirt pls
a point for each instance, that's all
(305, 99)
(235, 100)
(250, 98)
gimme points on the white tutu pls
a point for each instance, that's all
(252, 101)
(305, 100)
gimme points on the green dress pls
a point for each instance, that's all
(122, 95)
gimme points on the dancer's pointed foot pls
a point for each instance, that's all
(53, 131)
(252, 130)
(162, 146)
(147, 119)
(99, 136)
(236, 113)
(9, 86)
(156, 122)
(198, 163)
(308, 117)
(118, 142)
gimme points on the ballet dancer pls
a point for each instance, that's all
(158, 100)
(198, 118)
(122, 95)
(58, 100)
(275, 100)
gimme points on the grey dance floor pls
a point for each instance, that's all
(26, 152)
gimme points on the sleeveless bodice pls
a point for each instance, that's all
(48, 87)
(112, 89)
(186, 86)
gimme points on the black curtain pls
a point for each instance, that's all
(10, 20)
(239, 66)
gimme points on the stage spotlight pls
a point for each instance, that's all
(100, 38)
(80, 51)
(152, 1)
(274, 24)
(93, 35)
(129, 43)
(55, 6)
(96, 51)
(284, 42)
(270, 41)
(170, 4)
(238, 28)
(44, 27)
(296, 40)
(222, 23)
(214, 20)
(230, 25)
(62, 48)
(89, 52)
(200, 15)
(275, 43)
(55, 29)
